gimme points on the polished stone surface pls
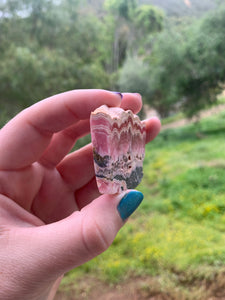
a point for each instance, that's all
(118, 139)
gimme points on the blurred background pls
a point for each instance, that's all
(173, 53)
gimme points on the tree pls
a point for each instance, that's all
(122, 8)
(205, 68)
(149, 19)
(49, 47)
(188, 68)
(120, 17)
(165, 66)
(133, 77)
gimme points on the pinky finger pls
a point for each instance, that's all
(153, 126)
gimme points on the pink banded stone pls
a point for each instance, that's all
(118, 139)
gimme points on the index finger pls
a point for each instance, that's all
(24, 138)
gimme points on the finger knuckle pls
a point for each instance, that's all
(95, 239)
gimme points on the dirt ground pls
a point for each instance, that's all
(142, 289)
(93, 289)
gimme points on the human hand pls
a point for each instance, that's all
(52, 217)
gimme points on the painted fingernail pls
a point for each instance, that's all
(129, 203)
(120, 94)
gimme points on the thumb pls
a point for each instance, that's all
(85, 234)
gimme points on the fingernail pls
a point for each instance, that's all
(120, 94)
(129, 203)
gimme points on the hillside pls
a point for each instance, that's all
(172, 8)
(179, 8)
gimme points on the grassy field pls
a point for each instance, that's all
(178, 233)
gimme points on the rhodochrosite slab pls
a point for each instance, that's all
(118, 139)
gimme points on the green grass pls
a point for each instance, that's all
(180, 226)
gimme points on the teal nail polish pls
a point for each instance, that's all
(129, 203)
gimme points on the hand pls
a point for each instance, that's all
(52, 217)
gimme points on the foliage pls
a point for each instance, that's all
(48, 47)
(165, 66)
(134, 76)
(149, 18)
(205, 68)
(47, 69)
(180, 68)
(187, 68)
(41, 54)
(124, 8)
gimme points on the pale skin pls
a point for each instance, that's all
(52, 218)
